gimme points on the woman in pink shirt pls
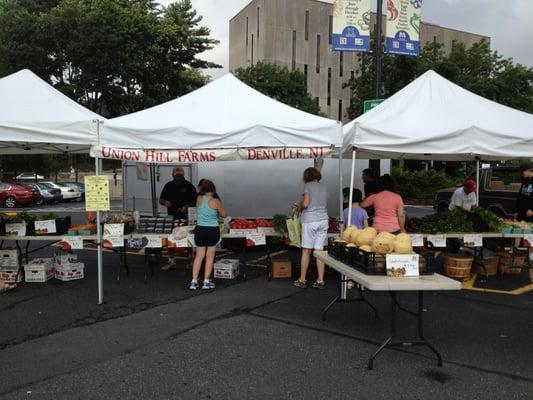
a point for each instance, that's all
(389, 215)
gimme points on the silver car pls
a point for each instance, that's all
(48, 193)
(68, 193)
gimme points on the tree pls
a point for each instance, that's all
(113, 56)
(477, 69)
(288, 87)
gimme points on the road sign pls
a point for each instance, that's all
(370, 104)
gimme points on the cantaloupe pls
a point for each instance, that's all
(366, 237)
(403, 244)
(384, 243)
(348, 232)
(367, 248)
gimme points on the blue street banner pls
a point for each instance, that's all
(403, 27)
(351, 25)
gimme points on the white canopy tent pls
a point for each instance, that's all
(35, 118)
(224, 120)
(435, 119)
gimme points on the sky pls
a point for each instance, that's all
(508, 23)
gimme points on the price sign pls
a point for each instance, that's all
(97, 193)
(45, 227)
(418, 240)
(255, 239)
(473, 240)
(113, 235)
(153, 242)
(72, 243)
(437, 240)
(399, 265)
(15, 229)
(528, 240)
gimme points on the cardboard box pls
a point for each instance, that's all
(69, 272)
(65, 258)
(281, 268)
(39, 270)
(9, 258)
(227, 268)
(9, 274)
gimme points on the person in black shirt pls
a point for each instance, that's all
(524, 202)
(177, 196)
(369, 179)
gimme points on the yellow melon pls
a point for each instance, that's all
(366, 237)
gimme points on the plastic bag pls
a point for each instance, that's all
(294, 228)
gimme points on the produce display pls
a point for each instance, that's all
(126, 219)
(512, 226)
(449, 221)
(369, 240)
(87, 229)
(279, 222)
(334, 225)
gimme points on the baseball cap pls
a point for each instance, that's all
(470, 184)
(178, 171)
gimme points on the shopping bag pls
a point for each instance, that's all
(294, 228)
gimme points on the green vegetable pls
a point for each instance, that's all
(450, 221)
(47, 217)
(485, 220)
(279, 222)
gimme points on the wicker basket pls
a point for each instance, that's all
(487, 266)
(457, 265)
(511, 264)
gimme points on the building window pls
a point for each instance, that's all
(258, 22)
(252, 53)
(306, 68)
(340, 110)
(307, 25)
(352, 75)
(330, 38)
(246, 31)
(293, 50)
(317, 101)
(329, 86)
(434, 39)
(317, 54)
(341, 63)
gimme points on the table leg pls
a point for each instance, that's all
(125, 260)
(421, 328)
(146, 264)
(394, 311)
(331, 304)
(338, 299)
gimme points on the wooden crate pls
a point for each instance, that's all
(281, 268)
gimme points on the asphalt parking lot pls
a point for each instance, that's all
(252, 339)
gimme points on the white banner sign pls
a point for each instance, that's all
(402, 265)
(200, 156)
(351, 25)
(403, 27)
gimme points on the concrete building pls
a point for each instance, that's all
(297, 34)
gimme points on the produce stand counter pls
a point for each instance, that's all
(393, 285)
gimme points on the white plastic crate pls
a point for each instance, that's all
(65, 258)
(9, 274)
(39, 270)
(9, 258)
(226, 268)
(69, 272)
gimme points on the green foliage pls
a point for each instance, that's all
(477, 69)
(279, 83)
(485, 220)
(279, 222)
(113, 56)
(446, 222)
(422, 184)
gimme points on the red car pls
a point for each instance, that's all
(12, 195)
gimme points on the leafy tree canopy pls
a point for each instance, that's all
(477, 69)
(286, 86)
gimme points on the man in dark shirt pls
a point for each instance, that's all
(369, 179)
(524, 202)
(177, 196)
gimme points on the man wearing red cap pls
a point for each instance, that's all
(464, 198)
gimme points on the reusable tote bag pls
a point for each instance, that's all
(294, 227)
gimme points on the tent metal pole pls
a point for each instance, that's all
(341, 200)
(124, 205)
(99, 230)
(477, 181)
(344, 284)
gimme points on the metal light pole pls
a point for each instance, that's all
(379, 18)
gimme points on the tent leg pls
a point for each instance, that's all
(347, 223)
(99, 247)
(477, 181)
(124, 205)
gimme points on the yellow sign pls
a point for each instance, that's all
(97, 193)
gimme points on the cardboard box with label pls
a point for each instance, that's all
(65, 258)
(281, 268)
(226, 269)
(69, 272)
(10, 274)
(39, 270)
(9, 258)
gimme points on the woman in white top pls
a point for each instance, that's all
(314, 217)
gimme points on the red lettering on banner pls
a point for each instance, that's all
(194, 157)
(252, 154)
(299, 153)
(316, 152)
(105, 152)
(149, 156)
(212, 156)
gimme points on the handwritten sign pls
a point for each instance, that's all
(153, 242)
(113, 235)
(97, 193)
(255, 239)
(399, 265)
(528, 240)
(437, 240)
(45, 227)
(473, 240)
(418, 240)
(15, 229)
(72, 243)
